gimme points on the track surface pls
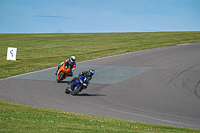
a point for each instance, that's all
(159, 86)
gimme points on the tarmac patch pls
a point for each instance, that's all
(103, 74)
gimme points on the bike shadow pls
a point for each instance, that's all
(86, 94)
(64, 82)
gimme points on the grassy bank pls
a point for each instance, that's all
(16, 118)
(40, 51)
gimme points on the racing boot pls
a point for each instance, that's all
(70, 74)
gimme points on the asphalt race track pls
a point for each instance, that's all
(159, 86)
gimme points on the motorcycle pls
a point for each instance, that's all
(77, 86)
(63, 72)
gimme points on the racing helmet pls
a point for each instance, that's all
(72, 58)
(91, 72)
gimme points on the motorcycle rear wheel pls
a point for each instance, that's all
(67, 91)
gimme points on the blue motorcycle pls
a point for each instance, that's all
(77, 86)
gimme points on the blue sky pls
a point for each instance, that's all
(98, 16)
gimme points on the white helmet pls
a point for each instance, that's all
(73, 58)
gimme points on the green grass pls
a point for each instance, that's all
(21, 118)
(40, 51)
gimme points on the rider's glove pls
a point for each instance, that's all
(80, 74)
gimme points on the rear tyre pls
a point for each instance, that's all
(67, 91)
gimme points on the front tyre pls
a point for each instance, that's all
(60, 77)
(76, 90)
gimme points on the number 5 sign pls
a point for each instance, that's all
(11, 53)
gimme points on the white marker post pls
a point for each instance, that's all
(11, 53)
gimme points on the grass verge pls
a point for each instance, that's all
(21, 118)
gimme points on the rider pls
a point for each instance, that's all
(71, 62)
(87, 74)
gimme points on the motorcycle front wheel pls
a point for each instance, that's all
(76, 90)
(60, 77)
